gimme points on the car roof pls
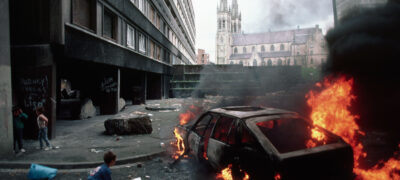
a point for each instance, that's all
(244, 112)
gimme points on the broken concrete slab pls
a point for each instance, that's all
(128, 124)
(121, 104)
(87, 110)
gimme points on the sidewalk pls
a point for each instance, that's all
(82, 143)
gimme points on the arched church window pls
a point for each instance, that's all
(262, 48)
(288, 62)
(272, 48)
(269, 62)
(244, 50)
(282, 47)
(222, 40)
(223, 24)
(235, 50)
(219, 24)
(263, 63)
(253, 49)
(231, 62)
(312, 61)
(254, 62)
(241, 62)
(280, 62)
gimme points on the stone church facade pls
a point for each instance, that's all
(302, 46)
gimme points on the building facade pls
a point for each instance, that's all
(102, 50)
(202, 57)
(343, 7)
(301, 46)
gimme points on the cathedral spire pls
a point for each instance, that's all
(235, 8)
(223, 5)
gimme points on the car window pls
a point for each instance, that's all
(202, 124)
(290, 134)
(222, 129)
(209, 129)
(247, 137)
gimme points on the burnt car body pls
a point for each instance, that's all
(265, 143)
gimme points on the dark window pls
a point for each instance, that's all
(263, 62)
(272, 48)
(269, 62)
(241, 62)
(235, 50)
(312, 61)
(208, 132)
(222, 129)
(254, 62)
(84, 13)
(262, 48)
(280, 62)
(110, 25)
(247, 137)
(282, 47)
(244, 50)
(288, 62)
(202, 125)
(311, 52)
(231, 62)
(253, 49)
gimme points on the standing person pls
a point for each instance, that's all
(103, 172)
(19, 117)
(42, 122)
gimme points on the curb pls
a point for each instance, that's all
(84, 165)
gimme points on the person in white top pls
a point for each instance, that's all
(42, 122)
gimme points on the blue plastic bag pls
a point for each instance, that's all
(41, 172)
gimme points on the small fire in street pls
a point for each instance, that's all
(226, 174)
(330, 110)
(277, 176)
(179, 145)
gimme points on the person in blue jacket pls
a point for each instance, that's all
(19, 117)
(103, 172)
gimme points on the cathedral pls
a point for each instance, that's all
(301, 46)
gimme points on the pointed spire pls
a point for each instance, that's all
(235, 8)
(223, 5)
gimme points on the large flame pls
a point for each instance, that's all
(330, 110)
(226, 174)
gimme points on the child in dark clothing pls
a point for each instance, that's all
(19, 117)
(103, 172)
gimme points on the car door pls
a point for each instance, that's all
(197, 133)
(219, 149)
(253, 159)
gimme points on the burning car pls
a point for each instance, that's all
(266, 143)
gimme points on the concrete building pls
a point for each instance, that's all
(301, 46)
(343, 7)
(65, 52)
(6, 127)
(202, 57)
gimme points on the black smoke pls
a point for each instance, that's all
(366, 46)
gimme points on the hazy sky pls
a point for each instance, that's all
(260, 16)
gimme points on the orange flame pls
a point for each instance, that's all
(226, 174)
(179, 144)
(189, 115)
(330, 110)
(277, 176)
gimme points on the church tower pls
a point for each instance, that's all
(223, 37)
(236, 18)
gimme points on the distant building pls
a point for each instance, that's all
(343, 7)
(301, 46)
(202, 57)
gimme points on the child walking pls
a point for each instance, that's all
(103, 172)
(42, 122)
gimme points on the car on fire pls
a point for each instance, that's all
(266, 143)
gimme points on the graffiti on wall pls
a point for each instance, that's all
(35, 91)
(109, 85)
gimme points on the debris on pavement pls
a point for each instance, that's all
(41, 172)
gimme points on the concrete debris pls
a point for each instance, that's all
(148, 177)
(162, 145)
(96, 151)
(121, 104)
(128, 124)
(138, 178)
(87, 110)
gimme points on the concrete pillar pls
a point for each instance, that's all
(109, 91)
(6, 125)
